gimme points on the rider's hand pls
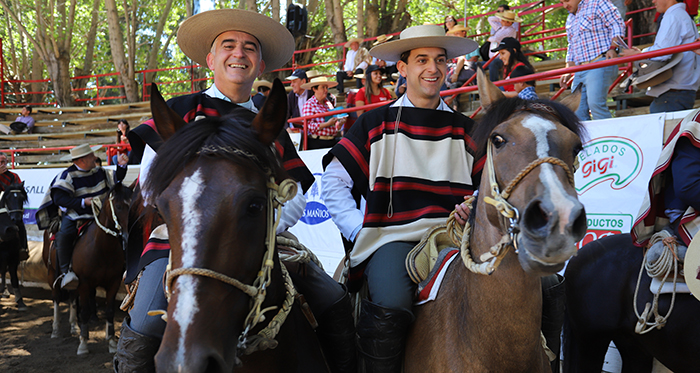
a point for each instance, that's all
(462, 215)
(87, 201)
(123, 159)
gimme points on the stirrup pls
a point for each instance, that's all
(58, 281)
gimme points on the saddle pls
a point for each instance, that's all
(421, 260)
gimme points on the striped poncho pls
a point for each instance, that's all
(410, 180)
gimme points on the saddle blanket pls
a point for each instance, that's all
(428, 289)
(667, 288)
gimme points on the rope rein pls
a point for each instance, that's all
(96, 205)
(667, 262)
(460, 236)
(277, 196)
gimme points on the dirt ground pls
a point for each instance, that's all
(26, 344)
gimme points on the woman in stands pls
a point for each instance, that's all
(122, 139)
(323, 132)
(373, 91)
(511, 54)
(450, 22)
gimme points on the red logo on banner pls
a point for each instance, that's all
(595, 234)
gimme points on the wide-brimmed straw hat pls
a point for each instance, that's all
(509, 15)
(80, 151)
(424, 36)
(690, 267)
(197, 33)
(312, 73)
(382, 39)
(650, 73)
(319, 80)
(353, 40)
(456, 29)
(263, 83)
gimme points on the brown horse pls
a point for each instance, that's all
(480, 322)
(211, 183)
(98, 261)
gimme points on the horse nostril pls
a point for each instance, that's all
(580, 225)
(535, 217)
(214, 365)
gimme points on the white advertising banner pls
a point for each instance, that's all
(615, 165)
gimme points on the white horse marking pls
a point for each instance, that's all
(187, 306)
(562, 200)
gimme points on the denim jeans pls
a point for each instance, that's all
(673, 101)
(594, 91)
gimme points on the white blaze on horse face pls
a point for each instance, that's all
(186, 306)
(540, 127)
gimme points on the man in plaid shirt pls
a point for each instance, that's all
(321, 133)
(591, 27)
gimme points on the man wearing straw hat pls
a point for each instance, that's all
(591, 28)
(238, 46)
(72, 191)
(356, 61)
(388, 67)
(386, 158)
(321, 132)
(263, 89)
(502, 26)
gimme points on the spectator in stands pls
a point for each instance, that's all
(511, 56)
(373, 91)
(356, 61)
(502, 23)
(322, 133)
(263, 88)
(590, 28)
(678, 92)
(462, 68)
(388, 67)
(24, 122)
(525, 90)
(123, 129)
(450, 22)
(8, 178)
(298, 96)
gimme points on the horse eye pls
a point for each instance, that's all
(498, 141)
(256, 208)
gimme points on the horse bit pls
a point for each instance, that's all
(509, 214)
(277, 196)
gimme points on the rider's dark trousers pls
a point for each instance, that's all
(64, 242)
(387, 280)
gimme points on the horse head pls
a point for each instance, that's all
(114, 214)
(14, 198)
(531, 148)
(210, 184)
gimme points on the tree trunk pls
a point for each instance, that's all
(156, 50)
(59, 71)
(275, 7)
(116, 42)
(36, 74)
(334, 16)
(86, 69)
(643, 22)
(372, 18)
(361, 20)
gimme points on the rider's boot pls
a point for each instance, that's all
(336, 332)
(18, 300)
(382, 337)
(553, 303)
(135, 351)
(64, 252)
(23, 247)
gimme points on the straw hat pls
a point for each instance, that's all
(509, 15)
(262, 82)
(691, 265)
(456, 29)
(425, 36)
(197, 33)
(319, 80)
(650, 73)
(80, 151)
(382, 39)
(353, 40)
(312, 73)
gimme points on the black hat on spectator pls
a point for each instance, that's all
(506, 43)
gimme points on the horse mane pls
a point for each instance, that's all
(120, 192)
(222, 137)
(501, 110)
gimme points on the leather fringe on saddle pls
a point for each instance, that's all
(668, 262)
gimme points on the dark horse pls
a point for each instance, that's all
(98, 261)
(12, 203)
(600, 283)
(211, 183)
(491, 323)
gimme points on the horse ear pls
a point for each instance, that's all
(573, 100)
(273, 115)
(167, 121)
(488, 92)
